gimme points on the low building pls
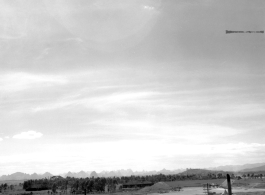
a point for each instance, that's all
(37, 187)
(136, 184)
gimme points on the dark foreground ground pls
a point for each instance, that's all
(243, 183)
(250, 193)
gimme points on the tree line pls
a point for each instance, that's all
(5, 186)
(253, 175)
(98, 184)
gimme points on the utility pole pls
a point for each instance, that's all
(229, 187)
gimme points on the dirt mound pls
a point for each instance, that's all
(158, 187)
(145, 189)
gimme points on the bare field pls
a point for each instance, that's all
(194, 183)
(250, 183)
(250, 193)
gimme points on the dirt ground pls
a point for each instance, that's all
(250, 183)
(250, 193)
(194, 183)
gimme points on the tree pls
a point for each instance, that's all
(219, 175)
(76, 185)
(83, 186)
(90, 186)
(65, 185)
(54, 187)
(5, 186)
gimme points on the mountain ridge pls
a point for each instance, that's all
(236, 168)
(25, 176)
(128, 172)
(255, 169)
(83, 174)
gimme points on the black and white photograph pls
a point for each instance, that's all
(132, 97)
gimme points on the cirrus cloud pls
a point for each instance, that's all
(28, 135)
(19, 81)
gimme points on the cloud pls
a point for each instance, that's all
(1, 139)
(19, 81)
(148, 7)
(44, 53)
(6, 37)
(58, 157)
(156, 129)
(28, 135)
(109, 101)
(7, 137)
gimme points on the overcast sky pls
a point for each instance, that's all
(141, 84)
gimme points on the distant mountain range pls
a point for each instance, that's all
(128, 172)
(119, 173)
(237, 168)
(83, 174)
(200, 172)
(25, 176)
(256, 169)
